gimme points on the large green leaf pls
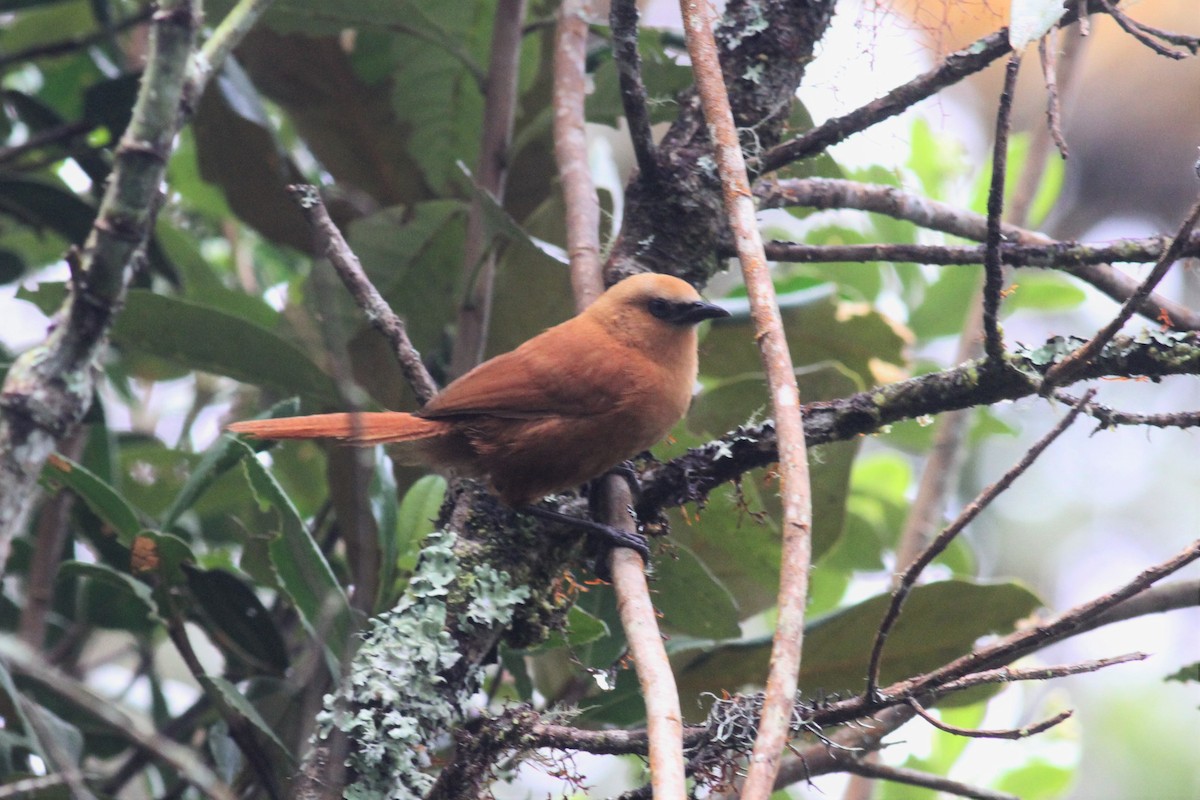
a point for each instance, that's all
(116, 512)
(226, 694)
(112, 599)
(940, 622)
(691, 599)
(300, 566)
(199, 337)
(237, 620)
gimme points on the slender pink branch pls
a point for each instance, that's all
(664, 719)
(785, 402)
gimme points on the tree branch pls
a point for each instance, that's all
(914, 777)
(1021, 247)
(910, 574)
(623, 19)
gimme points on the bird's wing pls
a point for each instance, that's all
(573, 369)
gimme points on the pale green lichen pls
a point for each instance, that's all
(396, 700)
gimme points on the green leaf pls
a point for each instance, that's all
(237, 620)
(1037, 780)
(931, 631)
(100, 497)
(194, 336)
(301, 568)
(581, 628)
(112, 599)
(1042, 291)
(219, 459)
(415, 517)
(1185, 674)
(692, 599)
(944, 308)
(225, 694)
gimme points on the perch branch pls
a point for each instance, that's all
(623, 19)
(636, 610)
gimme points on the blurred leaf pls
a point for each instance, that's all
(581, 628)
(1037, 780)
(931, 631)
(1189, 673)
(944, 308)
(225, 693)
(209, 339)
(237, 620)
(301, 568)
(691, 598)
(237, 150)
(415, 517)
(112, 599)
(1042, 291)
(662, 74)
(101, 498)
(46, 205)
(12, 266)
(220, 458)
(110, 102)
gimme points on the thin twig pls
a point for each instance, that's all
(795, 491)
(1070, 366)
(951, 70)
(1048, 50)
(331, 245)
(1022, 247)
(70, 45)
(499, 111)
(996, 733)
(623, 20)
(1011, 675)
(993, 270)
(943, 539)
(1111, 417)
(1150, 36)
(63, 134)
(912, 777)
(228, 34)
(181, 758)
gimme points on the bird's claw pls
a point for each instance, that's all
(610, 539)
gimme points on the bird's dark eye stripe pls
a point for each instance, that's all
(660, 308)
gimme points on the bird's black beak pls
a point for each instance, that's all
(693, 313)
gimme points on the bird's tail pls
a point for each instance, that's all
(368, 428)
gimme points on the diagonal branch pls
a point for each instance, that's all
(993, 270)
(331, 245)
(1070, 366)
(623, 19)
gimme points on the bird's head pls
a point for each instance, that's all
(653, 305)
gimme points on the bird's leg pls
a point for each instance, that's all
(606, 535)
(627, 472)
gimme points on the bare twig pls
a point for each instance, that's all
(1048, 50)
(998, 733)
(1011, 675)
(1072, 364)
(211, 57)
(1111, 417)
(953, 69)
(664, 717)
(785, 402)
(985, 498)
(70, 45)
(63, 134)
(1022, 247)
(914, 777)
(181, 758)
(1152, 37)
(993, 271)
(623, 19)
(1157, 600)
(331, 245)
(499, 110)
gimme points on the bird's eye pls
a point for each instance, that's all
(660, 308)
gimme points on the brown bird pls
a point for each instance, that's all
(565, 407)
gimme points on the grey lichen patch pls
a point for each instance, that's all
(396, 700)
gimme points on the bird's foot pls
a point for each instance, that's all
(602, 537)
(627, 472)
